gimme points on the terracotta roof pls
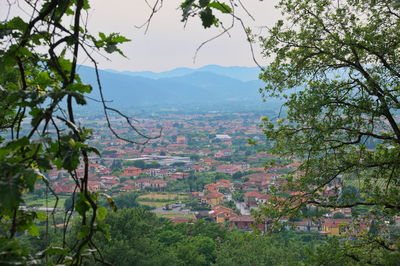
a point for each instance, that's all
(256, 194)
(243, 218)
(214, 195)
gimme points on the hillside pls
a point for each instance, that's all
(177, 87)
(236, 72)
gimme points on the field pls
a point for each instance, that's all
(175, 215)
(154, 196)
(157, 200)
(155, 204)
(41, 202)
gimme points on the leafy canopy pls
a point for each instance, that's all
(337, 65)
(39, 91)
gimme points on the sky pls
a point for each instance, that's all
(168, 43)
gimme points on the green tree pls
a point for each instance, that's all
(337, 65)
(133, 239)
(126, 200)
(250, 249)
(197, 250)
(39, 91)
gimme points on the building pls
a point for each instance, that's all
(254, 198)
(334, 227)
(181, 140)
(213, 198)
(132, 171)
(221, 214)
(246, 223)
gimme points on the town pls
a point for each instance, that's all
(203, 166)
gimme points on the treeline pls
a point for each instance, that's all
(138, 237)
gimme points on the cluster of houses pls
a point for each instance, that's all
(217, 141)
(213, 197)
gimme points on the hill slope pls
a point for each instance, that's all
(235, 72)
(196, 88)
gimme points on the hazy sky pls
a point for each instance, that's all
(168, 44)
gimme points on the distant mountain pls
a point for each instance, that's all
(236, 72)
(194, 88)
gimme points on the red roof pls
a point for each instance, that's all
(213, 195)
(132, 168)
(143, 180)
(243, 218)
(255, 194)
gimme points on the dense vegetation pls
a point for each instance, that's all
(138, 237)
(337, 64)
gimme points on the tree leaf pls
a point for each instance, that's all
(224, 8)
(207, 17)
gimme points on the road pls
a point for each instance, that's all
(239, 205)
(242, 207)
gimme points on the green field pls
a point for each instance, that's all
(175, 215)
(155, 203)
(156, 200)
(163, 196)
(41, 202)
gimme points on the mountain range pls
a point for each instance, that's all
(235, 72)
(182, 86)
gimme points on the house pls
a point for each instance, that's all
(109, 177)
(228, 169)
(110, 183)
(208, 163)
(345, 211)
(131, 171)
(94, 186)
(158, 184)
(180, 175)
(213, 198)
(68, 188)
(222, 184)
(245, 222)
(223, 153)
(143, 182)
(334, 227)
(254, 198)
(198, 168)
(180, 140)
(221, 214)
(211, 187)
(307, 225)
(151, 171)
(162, 173)
(195, 196)
(127, 188)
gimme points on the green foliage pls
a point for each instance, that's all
(126, 200)
(138, 237)
(238, 196)
(250, 249)
(340, 78)
(142, 164)
(204, 9)
(333, 252)
(38, 83)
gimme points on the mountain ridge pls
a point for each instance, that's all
(236, 72)
(197, 87)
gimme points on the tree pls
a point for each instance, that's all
(337, 65)
(251, 249)
(39, 91)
